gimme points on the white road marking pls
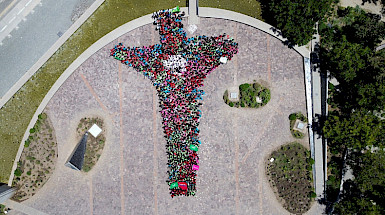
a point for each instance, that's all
(3, 28)
(28, 3)
(21, 10)
(12, 20)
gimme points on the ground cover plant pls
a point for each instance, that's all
(16, 114)
(250, 95)
(293, 117)
(94, 146)
(37, 160)
(290, 174)
(177, 68)
(2, 207)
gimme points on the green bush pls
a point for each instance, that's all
(18, 172)
(26, 143)
(312, 194)
(292, 116)
(257, 87)
(265, 96)
(32, 130)
(248, 93)
(244, 87)
(231, 104)
(297, 134)
(29, 173)
(311, 161)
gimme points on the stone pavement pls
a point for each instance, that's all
(129, 177)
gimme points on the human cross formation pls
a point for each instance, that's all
(177, 67)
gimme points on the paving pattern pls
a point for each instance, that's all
(130, 176)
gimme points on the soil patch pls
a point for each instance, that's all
(37, 160)
(289, 171)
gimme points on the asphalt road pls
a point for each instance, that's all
(6, 6)
(33, 37)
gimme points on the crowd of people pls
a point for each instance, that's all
(177, 67)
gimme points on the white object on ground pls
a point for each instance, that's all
(300, 125)
(272, 159)
(259, 100)
(223, 60)
(95, 130)
(192, 28)
(233, 95)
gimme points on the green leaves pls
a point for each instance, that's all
(296, 18)
(356, 131)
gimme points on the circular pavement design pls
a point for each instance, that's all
(130, 176)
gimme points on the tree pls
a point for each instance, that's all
(366, 193)
(346, 59)
(296, 18)
(354, 131)
(364, 28)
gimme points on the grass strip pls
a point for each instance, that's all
(248, 7)
(16, 114)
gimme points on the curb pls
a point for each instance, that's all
(33, 70)
(48, 54)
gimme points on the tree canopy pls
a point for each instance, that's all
(296, 18)
(348, 41)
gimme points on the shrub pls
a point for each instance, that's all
(257, 87)
(265, 96)
(244, 87)
(18, 172)
(297, 134)
(231, 104)
(29, 173)
(26, 143)
(32, 130)
(311, 161)
(292, 116)
(242, 104)
(312, 194)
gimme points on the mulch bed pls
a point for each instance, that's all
(291, 178)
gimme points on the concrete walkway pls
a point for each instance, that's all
(16, 206)
(193, 12)
(319, 112)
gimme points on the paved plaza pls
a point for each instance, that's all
(130, 176)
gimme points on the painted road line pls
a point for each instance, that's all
(3, 28)
(12, 20)
(21, 10)
(28, 3)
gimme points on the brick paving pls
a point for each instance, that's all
(130, 176)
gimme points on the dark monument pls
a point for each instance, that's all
(6, 192)
(76, 159)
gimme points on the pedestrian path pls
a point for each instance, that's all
(22, 208)
(319, 155)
